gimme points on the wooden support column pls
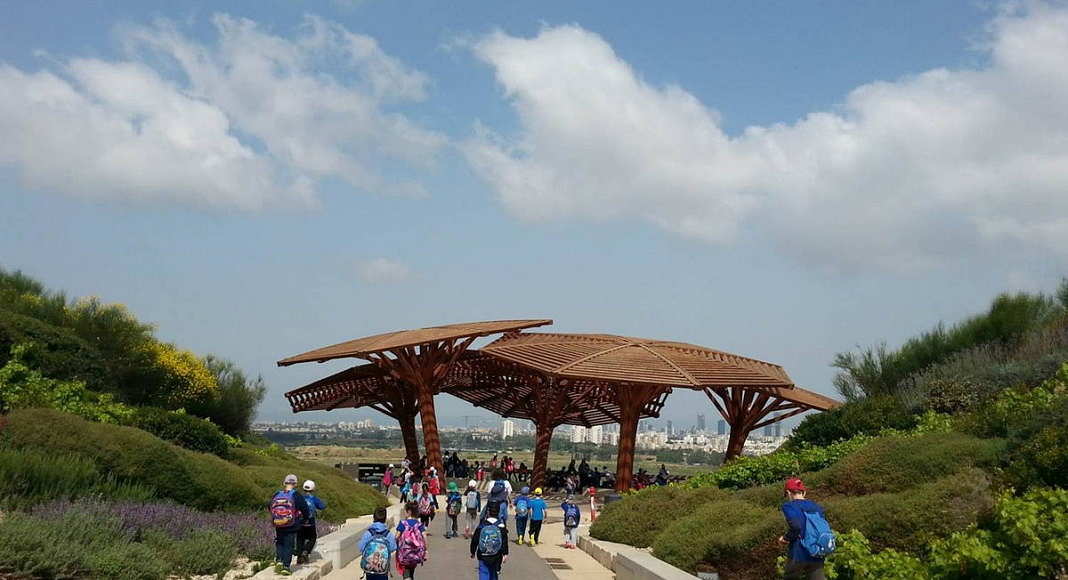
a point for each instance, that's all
(542, 442)
(411, 442)
(744, 410)
(632, 398)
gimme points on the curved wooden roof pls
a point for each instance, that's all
(359, 386)
(361, 347)
(606, 357)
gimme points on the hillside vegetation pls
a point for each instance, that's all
(949, 460)
(122, 456)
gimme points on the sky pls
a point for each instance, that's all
(781, 180)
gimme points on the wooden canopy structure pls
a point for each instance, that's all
(416, 362)
(633, 372)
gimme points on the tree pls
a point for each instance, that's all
(233, 404)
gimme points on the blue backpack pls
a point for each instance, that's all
(375, 558)
(818, 540)
(490, 540)
(571, 516)
(521, 507)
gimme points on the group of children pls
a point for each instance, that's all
(485, 526)
(294, 517)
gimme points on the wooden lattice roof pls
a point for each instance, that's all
(361, 347)
(605, 357)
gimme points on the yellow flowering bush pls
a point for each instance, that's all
(187, 378)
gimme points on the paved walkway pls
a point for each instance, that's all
(449, 559)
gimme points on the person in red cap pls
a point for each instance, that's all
(803, 517)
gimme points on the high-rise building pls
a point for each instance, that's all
(721, 427)
(778, 429)
(769, 430)
(594, 435)
(507, 428)
(700, 422)
(578, 434)
(670, 428)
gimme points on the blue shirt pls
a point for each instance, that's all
(537, 509)
(410, 522)
(794, 511)
(314, 505)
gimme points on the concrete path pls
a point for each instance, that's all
(451, 558)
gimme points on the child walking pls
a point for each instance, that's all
(307, 535)
(473, 505)
(411, 544)
(453, 503)
(522, 513)
(428, 506)
(537, 516)
(572, 516)
(377, 547)
(490, 544)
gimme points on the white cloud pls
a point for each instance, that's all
(905, 173)
(253, 120)
(383, 271)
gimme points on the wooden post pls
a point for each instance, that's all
(542, 442)
(411, 442)
(631, 400)
(736, 442)
(429, 420)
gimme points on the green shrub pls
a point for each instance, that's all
(29, 477)
(60, 353)
(909, 520)
(233, 405)
(133, 456)
(774, 467)
(181, 429)
(717, 533)
(202, 552)
(894, 463)
(854, 560)
(862, 417)
(639, 517)
(1027, 538)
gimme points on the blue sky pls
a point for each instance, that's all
(777, 180)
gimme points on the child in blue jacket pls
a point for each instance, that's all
(307, 535)
(378, 531)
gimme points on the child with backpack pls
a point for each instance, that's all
(809, 535)
(307, 535)
(377, 547)
(538, 507)
(572, 517)
(428, 506)
(473, 505)
(453, 504)
(490, 544)
(288, 511)
(500, 492)
(522, 513)
(411, 543)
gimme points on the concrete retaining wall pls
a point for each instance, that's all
(630, 563)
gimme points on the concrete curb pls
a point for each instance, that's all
(337, 549)
(630, 563)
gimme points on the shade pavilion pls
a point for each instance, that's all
(633, 372)
(417, 362)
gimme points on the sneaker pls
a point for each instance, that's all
(278, 567)
(285, 572)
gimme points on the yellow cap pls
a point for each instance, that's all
(537, 491)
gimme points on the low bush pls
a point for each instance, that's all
(854, 560)
(639, 517)
(181, 429)
(29, 477)
(133, 456)
(59, 354)
(909, 520)
(717, 533)
(894, 463)
(861, 417)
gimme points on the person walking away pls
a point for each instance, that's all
(500, 493)
(522, 513)
(537, 516)
(435, 482)
(592, 492)
(387, 480)
(307, 535)
(572, 517)
(288, 509)
(809, 537)
(411, 543)
(473, 505)
(453, 505)
(489, 544)
(377, 547)
(428, 506)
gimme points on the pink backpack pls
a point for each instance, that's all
(411, 550)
